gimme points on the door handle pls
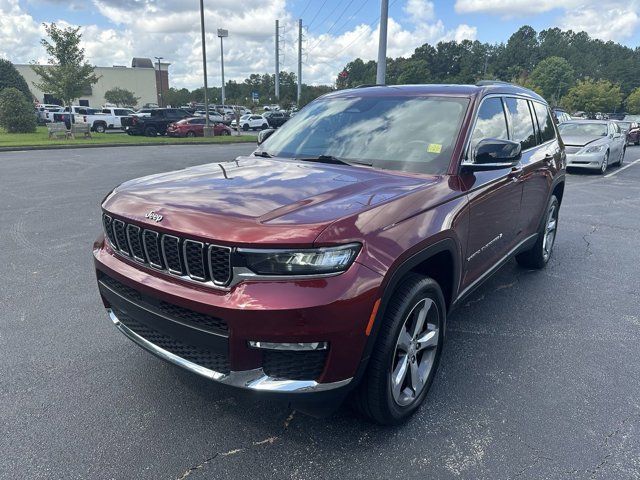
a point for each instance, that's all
(515, 173)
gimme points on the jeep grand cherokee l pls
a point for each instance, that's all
(326, 263)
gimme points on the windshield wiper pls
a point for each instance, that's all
(333, 160)
(262, 153)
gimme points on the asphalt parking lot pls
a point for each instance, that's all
(539, 378)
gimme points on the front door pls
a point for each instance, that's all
(494, 199)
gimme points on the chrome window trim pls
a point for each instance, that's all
(146, 252)
(231, 276)
(164, 255)
(115, 235)
(131, 226)
(186, 261)
(255, 379)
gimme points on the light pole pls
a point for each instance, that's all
(382, 43)
(222, 33)
(207, 129)
(160, 96)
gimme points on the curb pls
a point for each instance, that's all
(110, 145)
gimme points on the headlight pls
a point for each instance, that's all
(299, 262)
(594, 149)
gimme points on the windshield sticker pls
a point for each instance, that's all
(434, 148)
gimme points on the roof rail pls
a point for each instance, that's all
(484, 83)
(367, 85)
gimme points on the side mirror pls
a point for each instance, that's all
(494, 153)
(264, 134)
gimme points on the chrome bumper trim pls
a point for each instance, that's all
(249, 379)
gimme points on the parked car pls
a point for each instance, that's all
(252, 122)
(631, 130)
(560, 115)
(155, 124)
(213, 116)
(243, 119)
(44, 110)
(317, 269)
(276, 118)
(593, 144)
(194, 127)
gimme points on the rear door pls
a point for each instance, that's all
(494, 198)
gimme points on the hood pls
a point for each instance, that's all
(258, 200)
(581, 141)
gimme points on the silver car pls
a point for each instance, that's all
(593, 144)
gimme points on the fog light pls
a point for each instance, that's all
(292, 347)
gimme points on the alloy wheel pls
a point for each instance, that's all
(550, 231)
(605, 163)
(415, 352)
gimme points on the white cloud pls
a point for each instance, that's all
(171, 29)
(604, 19)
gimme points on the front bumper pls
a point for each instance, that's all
(591, 160)
(333, 310)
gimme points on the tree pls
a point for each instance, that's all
(553, 76)
(10, 77)
(69, 74)
(593, 96)
(16, 112)
(121, 97)
(633, 102)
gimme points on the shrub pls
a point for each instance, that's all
(10, 77)
(16, 112)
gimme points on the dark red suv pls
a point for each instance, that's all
(325, 264)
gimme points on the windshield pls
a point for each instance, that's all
(415, 134)
(583, 129)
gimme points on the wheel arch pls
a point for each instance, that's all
(440, 261)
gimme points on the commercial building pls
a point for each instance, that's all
(144, 78)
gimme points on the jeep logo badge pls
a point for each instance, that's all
(156, 217)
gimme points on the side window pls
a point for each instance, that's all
(491, 122)
(547, 132)
(521, 122)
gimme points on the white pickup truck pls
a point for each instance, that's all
(100, 120)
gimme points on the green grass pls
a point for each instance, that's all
(40, 139)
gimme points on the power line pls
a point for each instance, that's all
(305, 8)
(333, 25)
(317, 13)
(330, 14)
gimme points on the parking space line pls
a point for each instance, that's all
(623, 168)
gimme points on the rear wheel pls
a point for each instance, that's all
(245, 127)
(100, 128)
(151, 132)
(191, 134)
(540, 253)
(406, 354)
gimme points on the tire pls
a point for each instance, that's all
(151, 132)
(538, 256)
(245, 127)
(264, 126)
(376, 396)
(100, 128)
(226, 133)
(605, 163)
(191, 134)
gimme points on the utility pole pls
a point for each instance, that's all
(299, 61)
(160, 95)
(382, 43)
(278, 61)
(207, 131)
(222, 33)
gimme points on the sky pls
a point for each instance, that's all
(334, 31)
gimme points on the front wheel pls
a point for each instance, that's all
(264, 126)
(406, 353)
(245, 127)
(605, 163)
(540, 253)
(151, 132)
